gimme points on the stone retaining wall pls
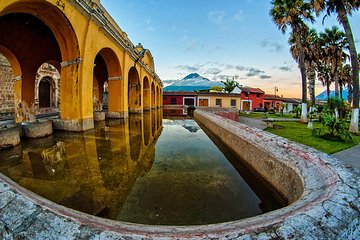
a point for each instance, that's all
(324, 197)
(6, 89)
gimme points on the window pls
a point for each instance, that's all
(258, 95)
(233, 102)
(189, 101)
(246, 94)
(218, 102)
(173, 100)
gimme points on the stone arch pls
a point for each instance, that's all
(14, 83)
(147, 127)
(38, 32)
(100, 77)
(107, 70)
(134, 93)
(146, 94)
(149, 60)
(47, 83)
(135, 136)
(161, 98)
(157, 96)
(51, 16)
(153, 101)
(153, 123)
(15, 65)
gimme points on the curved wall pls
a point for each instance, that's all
(323, 193)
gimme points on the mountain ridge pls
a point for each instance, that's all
(192, 79)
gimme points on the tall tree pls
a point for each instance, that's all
(324, 76)
(343, 8)
(333, 43)
(310, 43)
(345, 80)
(293, 14)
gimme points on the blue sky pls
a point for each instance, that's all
(216, 38)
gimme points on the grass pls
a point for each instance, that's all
(269, 115)
(299, 132)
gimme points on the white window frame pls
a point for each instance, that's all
(242, 104)
(193, 98)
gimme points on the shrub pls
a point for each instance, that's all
(332, 128)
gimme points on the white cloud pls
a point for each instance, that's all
(239, 16)
(217, 17)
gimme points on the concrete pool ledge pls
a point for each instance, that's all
(323, 196)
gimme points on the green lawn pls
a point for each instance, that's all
(299, 132)
(262, 115)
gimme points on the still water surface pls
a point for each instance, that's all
(144, 170)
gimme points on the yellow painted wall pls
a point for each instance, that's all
(77, 80)
(226, 100)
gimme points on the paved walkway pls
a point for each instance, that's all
(349, 156)
(253, 122)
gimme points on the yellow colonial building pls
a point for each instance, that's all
(216, 99)
(89, 50)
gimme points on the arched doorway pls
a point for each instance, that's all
(107, 82)
(47, 94)
(134, 91)
(157, 97)
(100, 77)
(147, 94)
(153, 95)
(38, 32)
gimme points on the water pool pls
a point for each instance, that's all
(144, 170)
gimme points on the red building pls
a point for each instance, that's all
(273, 102)
(251, 98)
(179, 98)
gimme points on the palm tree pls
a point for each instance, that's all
(310, 43)
(293, 13)
(324, 76)
(333, 42)
(344, 8)
(229, 85)
(345, 79)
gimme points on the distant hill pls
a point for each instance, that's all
(192, 80)
(323, 96)
(173, 88)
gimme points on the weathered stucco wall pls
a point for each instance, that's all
(325, 204)
(6, 89)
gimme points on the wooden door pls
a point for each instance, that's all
(203, 102)
(44, 94)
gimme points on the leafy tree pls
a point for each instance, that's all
(229, 85)
(293, 14)
(344, 8)
(216, 88)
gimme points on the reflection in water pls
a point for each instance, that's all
(115, 171)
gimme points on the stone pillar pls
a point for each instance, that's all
(116, 98)
(75, 111)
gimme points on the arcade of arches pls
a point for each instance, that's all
(64, 56)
